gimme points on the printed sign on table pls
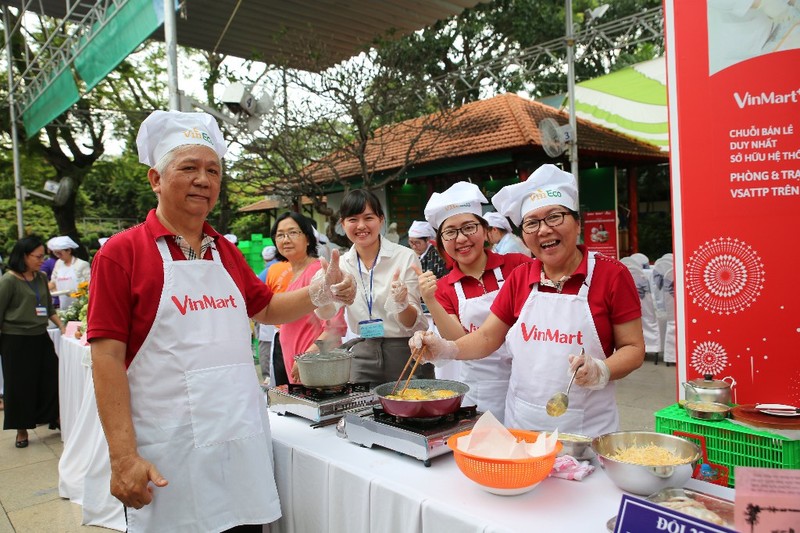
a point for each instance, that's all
(734, 94)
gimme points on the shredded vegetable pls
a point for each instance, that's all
(650, 455)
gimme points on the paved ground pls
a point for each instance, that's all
(29, 500)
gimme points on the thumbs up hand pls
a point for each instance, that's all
(331, 285)
(427, 284)
(398, 300)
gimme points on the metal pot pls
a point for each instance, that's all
(422, 408)
(324, 369)
(709, 389)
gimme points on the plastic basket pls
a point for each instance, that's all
(505, 476)
(730, 444)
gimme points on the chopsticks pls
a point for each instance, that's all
(417, 355)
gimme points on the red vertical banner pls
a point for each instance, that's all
(600, 232)
(734, 106)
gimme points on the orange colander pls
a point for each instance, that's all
(505, 476)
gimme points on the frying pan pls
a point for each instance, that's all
(422, 408)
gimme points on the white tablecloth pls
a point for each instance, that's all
(84, 472)
(328, 484)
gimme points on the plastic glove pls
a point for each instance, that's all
(330, 284)
(327, 312)
(440, 351)
(397, 302)
(427, 283)
(593, 373)
(778, 10)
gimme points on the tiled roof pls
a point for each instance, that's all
(503, 123)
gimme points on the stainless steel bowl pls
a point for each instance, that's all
(712, 411)
(324, 369)
(578, 446)
(645, 479)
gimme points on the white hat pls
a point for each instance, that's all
(461, 197)
(496, 220)
(421, 230)
(268, 253)
(61, 243)
(102, 240)
(548, 185)
(162, 131)
(231, 237)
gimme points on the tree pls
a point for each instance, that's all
(75, 141)
(327, 135)
(477, 49)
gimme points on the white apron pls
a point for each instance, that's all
(197, 407)
(550, 327)
(66, 280)
(488, 377)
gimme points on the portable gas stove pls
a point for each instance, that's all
(421, 438)
(321, 406)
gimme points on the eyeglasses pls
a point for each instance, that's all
(466, 230)
(293, 234)
(37, 257)
(552, 220)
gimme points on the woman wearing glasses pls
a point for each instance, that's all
(387, 308)
(565, 303)
(30, 365)
(293, 236)
(459, 302)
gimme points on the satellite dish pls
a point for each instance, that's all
(555, 138)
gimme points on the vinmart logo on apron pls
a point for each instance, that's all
(206, 302)
(550, 335)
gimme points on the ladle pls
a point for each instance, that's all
(558, 403)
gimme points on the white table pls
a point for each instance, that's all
(84, 471)
(328, 484)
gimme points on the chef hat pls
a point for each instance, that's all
(496, 220)
(231, 238)
(162, 131)
(461, 197)
(421, 230)
(548, 185)
(61, 242)
(268, 253)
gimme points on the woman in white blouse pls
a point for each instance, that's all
(387, 310)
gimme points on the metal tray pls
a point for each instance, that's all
(723, 508)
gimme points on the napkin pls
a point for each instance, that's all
(567, 467)
(489, 438)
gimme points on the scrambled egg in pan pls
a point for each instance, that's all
(423, 394)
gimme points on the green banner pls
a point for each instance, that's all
(54, 100)
(123, 32)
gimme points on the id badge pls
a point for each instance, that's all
(370, 329)
(41, 310)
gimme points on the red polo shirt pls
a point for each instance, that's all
(127, 280)
(446, 286)
(613, 298)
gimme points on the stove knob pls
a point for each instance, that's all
(341, 428)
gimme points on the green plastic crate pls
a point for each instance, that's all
(731, 444)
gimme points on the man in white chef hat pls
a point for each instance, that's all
(421, 237)
(502, 237)
(188, 435)
(567, 311)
